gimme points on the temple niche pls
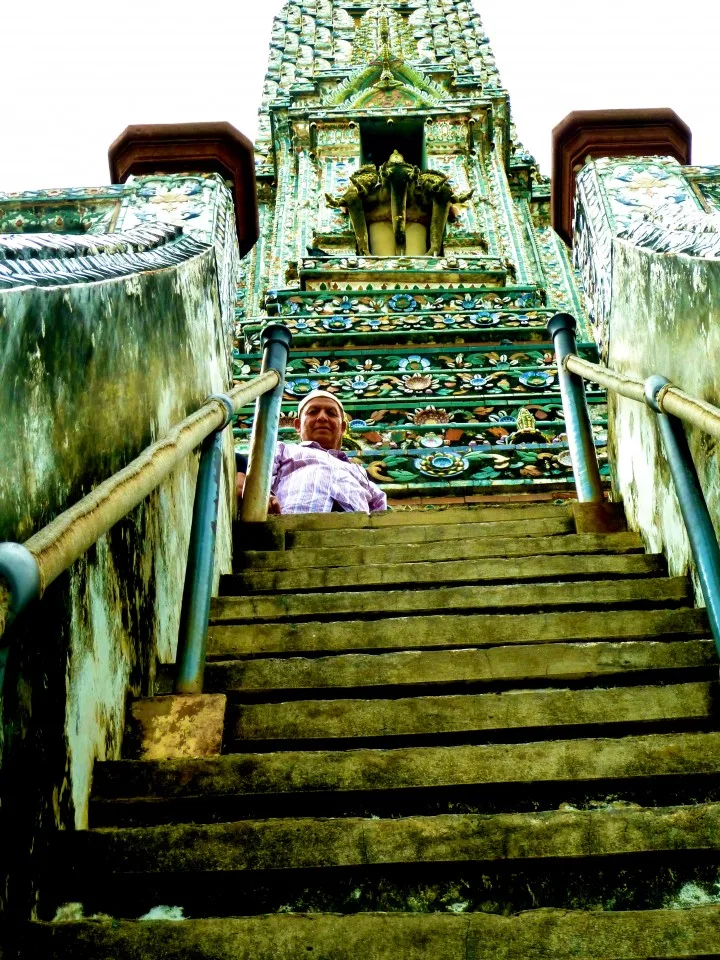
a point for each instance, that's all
(383, 177)
(398, 209)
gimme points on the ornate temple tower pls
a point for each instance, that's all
(406, 242)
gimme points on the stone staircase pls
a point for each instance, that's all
(451, 734)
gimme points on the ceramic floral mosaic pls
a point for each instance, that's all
(80, 235)
(652, 202)
(435, 336)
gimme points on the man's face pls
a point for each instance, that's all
(322, 422)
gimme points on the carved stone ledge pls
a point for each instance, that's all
(592, 134)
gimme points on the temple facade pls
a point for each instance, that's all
(405, 240)
(487, 730)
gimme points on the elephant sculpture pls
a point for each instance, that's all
(399, 208)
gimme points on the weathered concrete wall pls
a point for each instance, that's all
(665, 318)
(90, 374)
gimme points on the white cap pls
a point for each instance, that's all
(320, 393)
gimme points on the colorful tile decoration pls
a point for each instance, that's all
(442, 362)
(79, 235)
(653, 202)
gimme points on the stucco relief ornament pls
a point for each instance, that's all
(527, 431)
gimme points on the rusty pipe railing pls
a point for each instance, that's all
(27, 569)
(670, 400)
(671, 406)
(581, 443)
(276, 339)
(195, 612)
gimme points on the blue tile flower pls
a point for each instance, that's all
(476, 381)
(441, 465)
(503, 417)
(336, 324)
(469, 302)
(301, 386)
(345, 305)
(359, 384)
(414, 363)
(402, 303)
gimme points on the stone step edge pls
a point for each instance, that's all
(469, 713)
(501, 664)
(560, 934)
(311, 557)
(289, 844)
(430, 631)
(481, 570)
(430, 600)
(401, 518)
(583, 760)
(428, 533)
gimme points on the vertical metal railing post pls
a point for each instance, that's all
(276, 344)
(577, 418)
(701, 533)
(20, 585)
(195, 613)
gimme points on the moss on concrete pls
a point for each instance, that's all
(89, 375)
(478, 630)
(543, 935)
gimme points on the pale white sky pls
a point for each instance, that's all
(74, 74)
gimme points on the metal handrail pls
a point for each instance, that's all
(26, 570)
(670, 399)
(276, 342)
(197, 592)
(671, 405)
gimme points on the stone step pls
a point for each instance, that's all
(533, 935)
(353, 537)
(434, 517)
(388, 602)
(494, 569)
(427, 632)
(547, 663)
(292, 773)
(471, 549)
(349, 720)
(308, 843)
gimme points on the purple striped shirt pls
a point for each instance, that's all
(307, 478)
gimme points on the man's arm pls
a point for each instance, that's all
(378, 499)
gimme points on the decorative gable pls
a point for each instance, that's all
(387, 84)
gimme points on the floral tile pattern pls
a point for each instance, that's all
(434, 357)
(652, 202)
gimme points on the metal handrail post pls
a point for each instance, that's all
(577, 418)
(701, 533)
(197, 590)
(276, 340)
(19, 587)
(20, 583)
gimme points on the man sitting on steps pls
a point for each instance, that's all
(315, 475)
